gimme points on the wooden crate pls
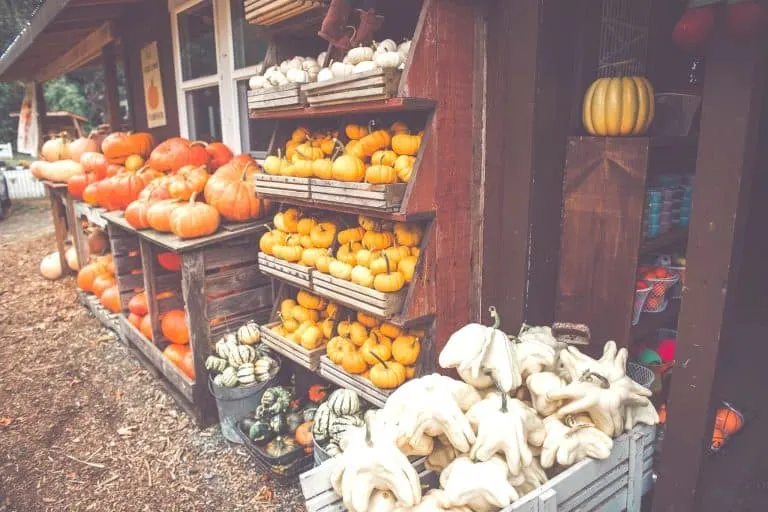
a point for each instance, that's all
(363, 387)
(380, 84)
(84, 216)
(359, 298)
(282, 186)
(126, 257)
(107, 318)
(281, 97)
(320, 496)
(385, 198)
(290, 272)
(309, 359)
(272, 12)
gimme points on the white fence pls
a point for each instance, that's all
(22, 185)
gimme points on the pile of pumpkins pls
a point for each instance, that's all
(526, 408)
(241, 359)
(307, 320)
(138, 311)
(374, 254)
(379, 352)
(298, 70)
(371, 155)
(98, 278)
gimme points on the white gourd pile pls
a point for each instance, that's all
(527, 406)
(302, 70)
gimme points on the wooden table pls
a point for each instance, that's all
(62, 211)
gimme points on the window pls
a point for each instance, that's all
(216, 52)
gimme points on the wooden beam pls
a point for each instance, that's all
(80, 54)
(42, 112)
(111, 93)
(732, 102)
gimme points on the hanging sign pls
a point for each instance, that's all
(153, 86)
(28, 138)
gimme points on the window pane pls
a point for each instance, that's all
(249, 48)
(204, 114)
(255, 134)
(197, 41)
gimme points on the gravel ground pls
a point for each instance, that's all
(82, 425)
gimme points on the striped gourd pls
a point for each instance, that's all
(343, 402)
(322, 423)
(249, 334)
(340, 426)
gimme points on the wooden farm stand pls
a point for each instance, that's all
(219, 287)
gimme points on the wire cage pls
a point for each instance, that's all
(624, 38)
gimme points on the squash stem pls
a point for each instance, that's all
(374, 354)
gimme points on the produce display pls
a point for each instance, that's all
(98, 278)
(241, 359)
(307, 320)
(526, 407)
(618, 106)
(374, 254)
(372, 154)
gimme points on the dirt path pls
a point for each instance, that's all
(82, 425)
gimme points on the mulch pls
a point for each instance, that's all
(84, 427)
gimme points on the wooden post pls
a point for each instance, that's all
(42, 112)
(111, 94)
(732, 103)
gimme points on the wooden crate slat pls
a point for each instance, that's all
(170, 282)
(360, 290)
(307, 358)
(167, 304)
(281, 193)
(283, 270)
(217, 257)
(122, 246)
(276, 103)
(368, 94)
(130, 282)
(360, 202)
(247, 300)
(349, 81)
(125, 264)
(92, 213)
(239, 278)
(363, 387)
(349, 101)
(377, 80)
(282, 186)
(350, 295)
(273, 93)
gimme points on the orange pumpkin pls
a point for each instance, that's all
(135, 320)
(138, 304)
(193, 220)
(175, 153)
(187, 181)
(174, 327)
(111, 299)
(88, 274)
(159, 214)
(219, 154)
(231, 190)
(101, 283)
(117, 192)
(187, 364)
(94, 163)
(76, 184)
(146, 328)
(91, 194)
(169, 261)
(180, 356)
(157, 189)
(136, 213)
(78, 147)
(120, 145)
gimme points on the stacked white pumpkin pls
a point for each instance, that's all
(384, 54)
(526, 407)
(241, 359)
(298, 70)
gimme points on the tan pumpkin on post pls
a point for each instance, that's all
(619, 106)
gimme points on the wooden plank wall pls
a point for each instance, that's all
(149, 21)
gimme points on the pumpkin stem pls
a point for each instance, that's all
(386, 259)
(245, 171)
(495, 316)
(193, 197)
(338, 147)
(280, 153)
(374, 354)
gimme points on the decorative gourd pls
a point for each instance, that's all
(309, 412)
(386, 375)
(260, 432)
(362, 275)
(348, 168)
(187, 181)
(241, 355)
(366, 65)
(138, 304)
(377, 241)
(216, 364)
(404, 144)
(342, 424)
(60, 171)
(389, 282)
(110, 299)
(477, 485)
(388, 59)
(618, 106)
(350, 235)
(367, 320)
(245, 374)
(100, 283)
(322, 423)
(340, 270)
(227, 378)
(358, 333)
(380, 175)
(282, 446)
(287, 221)
(376, 140)
(405, 349)
(376, 349)
(276, 400)
(159, 214)
(317, 393)
(219, 154)
(265, 368)
(355, 131)
(176, 152)
(323, 235)
(353, 362)
(118, 146)
(249, 334)
(174, 327)
(344, 402)
(278, 424)
(194, 220)
(50, 266)
(407, 267)
(337, 348)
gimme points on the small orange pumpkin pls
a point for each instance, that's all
(174, 327)
(187, 181)
(231, 190)
(159, 214)
(111, 299)
(193, 219)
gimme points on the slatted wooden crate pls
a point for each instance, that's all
(363, 387)
(384, 198)
(290, 272)
(380, 84)
(281, 97)
(126, 257)
(309, 359)
(320, 496)
(107, 318)
(282, 186)
(84, 217)
(359, 298)
(272, 12)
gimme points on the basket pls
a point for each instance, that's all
(676, 291)
(283, 474)
(640, 296)
(660, 309)
(641, 374)
(659, 286)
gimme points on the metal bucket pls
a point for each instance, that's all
(319, 453)
(237, 403)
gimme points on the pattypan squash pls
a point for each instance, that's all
(539, 385)
(568, 444)
(482, 486)
(530, 478)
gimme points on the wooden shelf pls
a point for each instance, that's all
(650, 322)
(380, 106)
(355, 210)
(671, 239)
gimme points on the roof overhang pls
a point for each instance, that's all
(62, 36)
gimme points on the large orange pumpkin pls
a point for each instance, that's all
(88, 274)
(80, 146)
(138, 304)
(146, 327)
(231, 190)
(219, 153)
(187, 181)
(175, 153)
(94, 163)
(136, 213)
(120, 145)
(111, 299)
(174, 327)
(193, 220)
(157, 189)
(169, 261)
(176, 354)
(159, 214)
(76, 184)
(101, 283)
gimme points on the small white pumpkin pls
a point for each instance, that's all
(360, 54)
(388, 59)
(308, 64)
(278, 78)
(297, 76)
(50, 267)
(272, 70)
(325, 74)
(386, 45)
(341, 69)
(285, 66)
(71, 257)
(258, 82)
(314, 69)
(366, 65)
(321, 58)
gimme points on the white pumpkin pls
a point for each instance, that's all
(50, 267)
(321, 58)
(258, 82)
(404, 47)
(314, 69)
(277, 78)
(340, 69)
(366, 65)
(285, 66)
(360, 54)
(309, 64)
(270, 70)
(388, 59)
(71, 257)
(325, 74)
(297, 76)
(386, 45)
